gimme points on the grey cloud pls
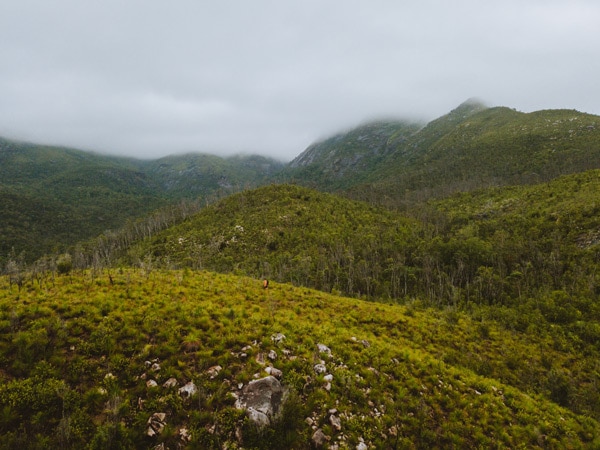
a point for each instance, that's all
(149, 78)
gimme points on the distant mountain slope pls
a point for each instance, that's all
(494, 146)
(345, 159)
(195, 174)
(53, 197)
(471, 147)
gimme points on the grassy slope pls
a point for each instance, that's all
(59, 341)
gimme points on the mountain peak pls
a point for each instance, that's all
(470, 106)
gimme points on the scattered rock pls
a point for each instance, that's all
(335, 422)
(171, 382)
(320, 368)
(213, 371)
(151, 383)
(272, 355)
(155, 367)
(184, 435)
(278, 338)
(156, 423)
(262, 399)
(319, 438)
(188, 390)
(275, 372)
(260, 358)
(328, 377)
(323, 349)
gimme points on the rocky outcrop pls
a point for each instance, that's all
(262, 400)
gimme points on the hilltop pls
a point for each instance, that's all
(138, 358)
(472, 147)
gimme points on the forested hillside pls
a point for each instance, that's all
(54, 197)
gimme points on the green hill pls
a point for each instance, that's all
(54, 197)
(292, 234)
(443, 253)
(472, 147)
(496, 147)
(137, 359)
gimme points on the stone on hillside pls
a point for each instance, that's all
(188, 390)
(272, 355)
(171, 382)
(323, 349)
(262, 400)
(214, 371)
(335, 422)
(184, 435)
(275, 372)
(151, 383)
(320, 368)
(319, 438)
(260, 358)
(277, 338)
(156, 423)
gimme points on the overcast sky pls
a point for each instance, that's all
(147, 78)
